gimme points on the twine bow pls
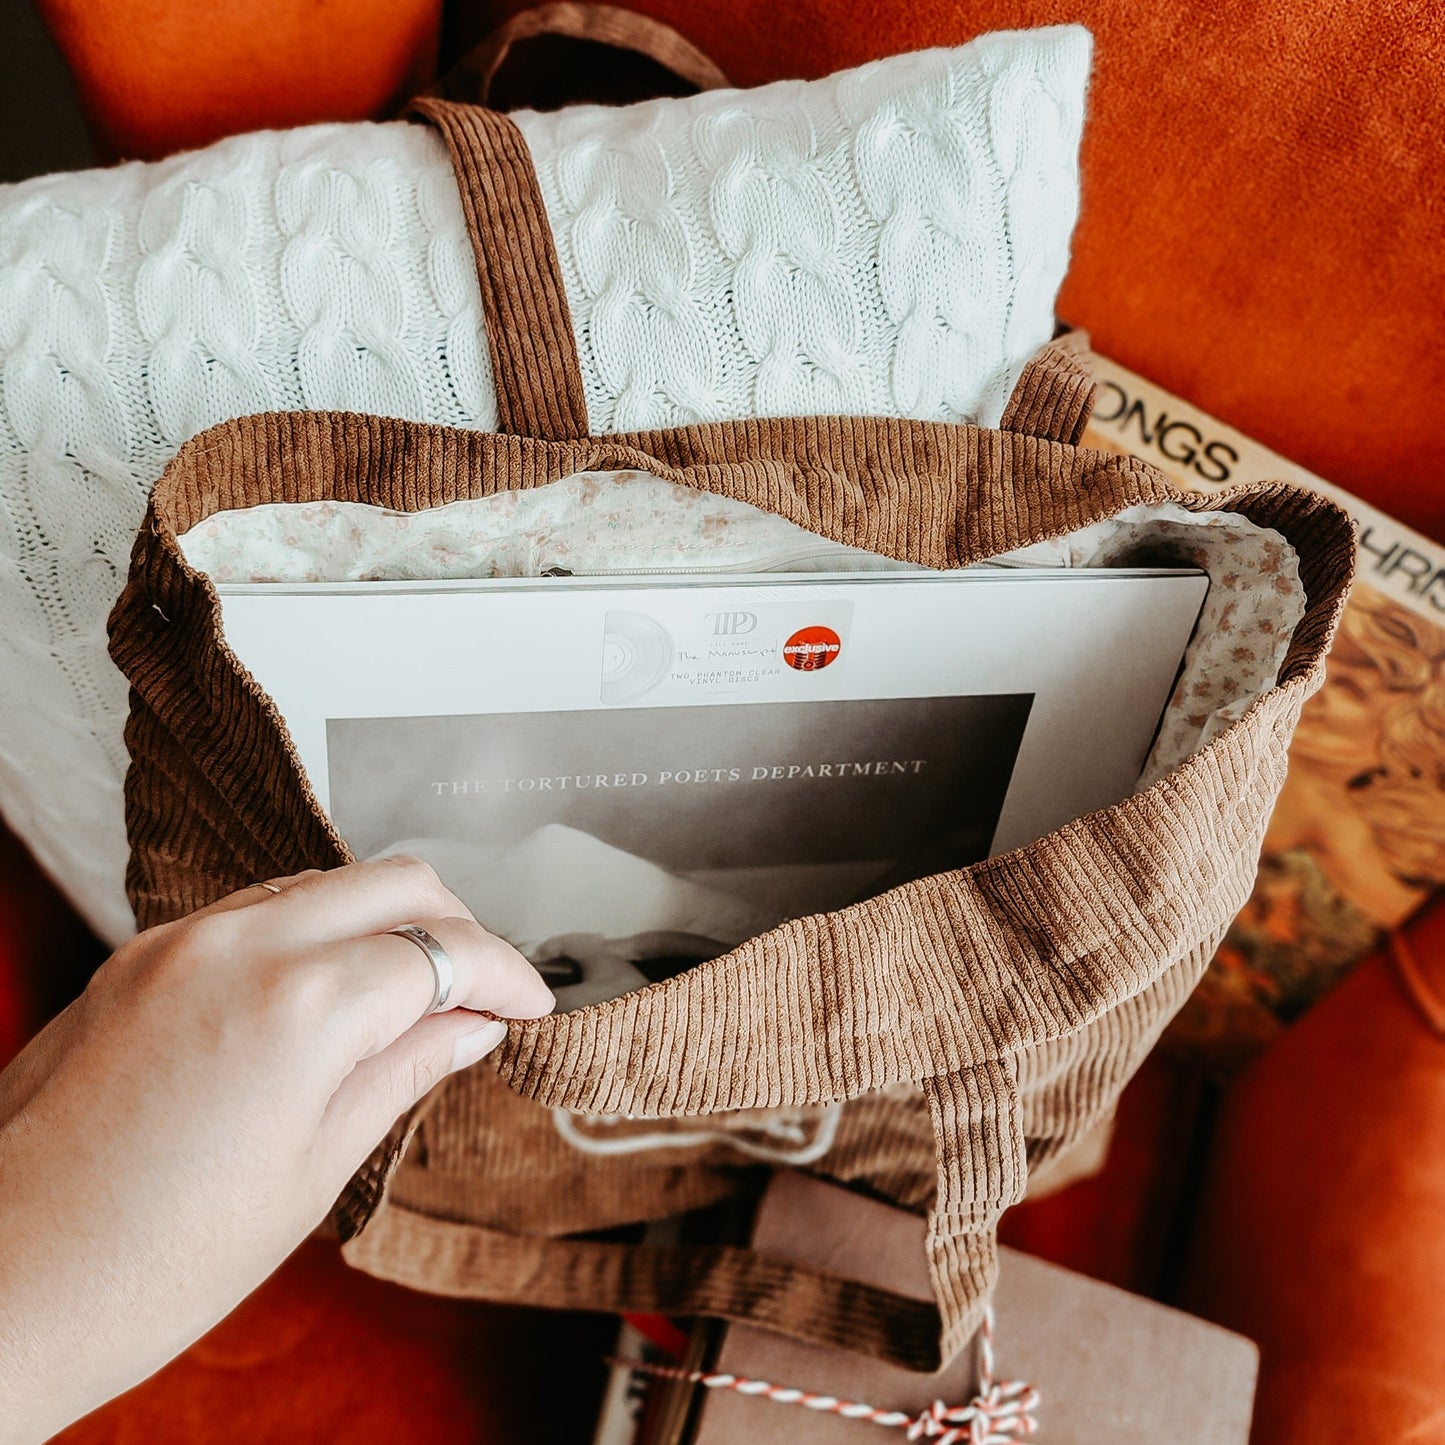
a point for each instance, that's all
(1001, 1413)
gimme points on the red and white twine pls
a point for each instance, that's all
(1001, 1413)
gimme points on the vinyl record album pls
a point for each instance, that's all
(636, 655)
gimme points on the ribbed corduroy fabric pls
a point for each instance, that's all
(975, 1022)
(529, 326)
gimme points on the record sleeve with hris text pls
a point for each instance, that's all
(625, 776)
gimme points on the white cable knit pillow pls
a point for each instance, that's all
(889, 240)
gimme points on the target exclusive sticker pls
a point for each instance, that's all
(810, 648)
(677, 645)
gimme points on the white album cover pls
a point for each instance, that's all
(625, 776)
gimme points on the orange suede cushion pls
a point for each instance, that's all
(46, 952)
(322, 1353)
(1263, 226)
(157, 76)
(1118, 1225)
(1320, 1233)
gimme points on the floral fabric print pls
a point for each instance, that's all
(603, 523)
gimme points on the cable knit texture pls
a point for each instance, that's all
(885, 241)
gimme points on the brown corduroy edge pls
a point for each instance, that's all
(982, 1019)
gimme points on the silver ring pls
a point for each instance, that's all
(439, 959)
(269, 887)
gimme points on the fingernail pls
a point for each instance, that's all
(477, 1044)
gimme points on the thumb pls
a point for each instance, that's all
(380, 1089)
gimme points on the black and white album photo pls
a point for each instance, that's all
(616, 846)
(627, 776)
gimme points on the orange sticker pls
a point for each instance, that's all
(811, 648)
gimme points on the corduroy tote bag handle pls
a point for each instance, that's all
(627, 33)
(982, 1171)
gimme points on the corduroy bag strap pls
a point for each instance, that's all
(535, 370)
(980, 1146)
(629, 34)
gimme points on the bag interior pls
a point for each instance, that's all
(622, 523)
(617, 523)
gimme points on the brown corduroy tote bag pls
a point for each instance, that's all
(971, 1025)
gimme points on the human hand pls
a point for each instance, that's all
(171, 1137)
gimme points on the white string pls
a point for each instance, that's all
(1000, 1413)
